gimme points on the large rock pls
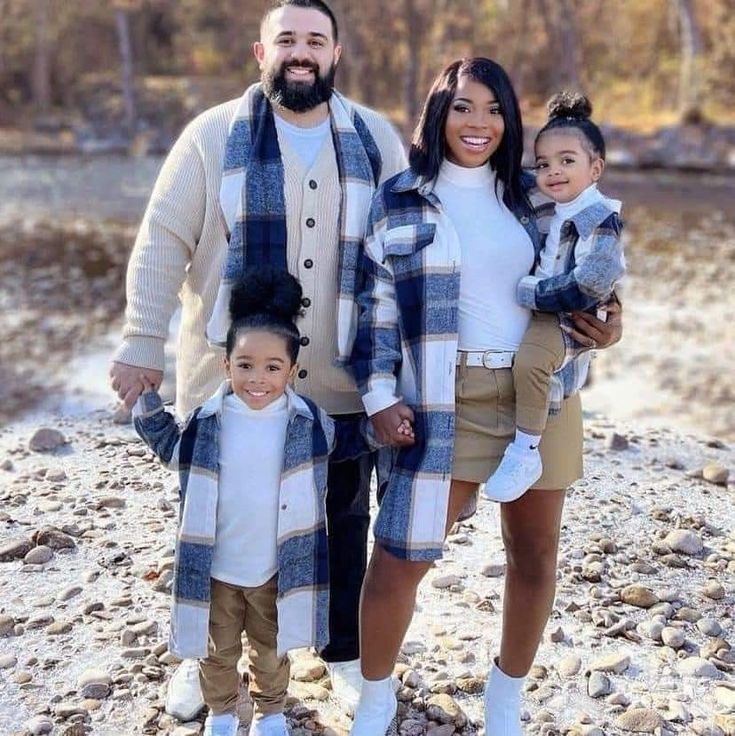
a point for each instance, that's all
(698, 667)
(15, 550)
(46, 440)
(639, 596)
(616, 663)
(684, 541)
(639, 720)
(39, 555)
(444, 709)
(94, 684)
(716, 473)
(54, 538)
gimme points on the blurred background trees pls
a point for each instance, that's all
(645, 63)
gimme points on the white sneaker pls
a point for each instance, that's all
(184, 699)
(273, 725)
(375, 716)
(225, 724)
(346, 680)
(518, 471)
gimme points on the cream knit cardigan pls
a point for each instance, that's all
(181, 245)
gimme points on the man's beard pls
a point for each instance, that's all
(298, 96)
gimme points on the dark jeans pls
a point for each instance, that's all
(348, 520)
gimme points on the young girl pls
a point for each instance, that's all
(580, 263)
(251, 552)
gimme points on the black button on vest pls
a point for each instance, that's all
(312, 184)
(306, 302)
(303, 374)
(304, 341)
(308, 263)
(310, 222)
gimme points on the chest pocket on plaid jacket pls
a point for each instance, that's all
(405, 240)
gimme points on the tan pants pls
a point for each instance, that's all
(540, 354)
(253, 610)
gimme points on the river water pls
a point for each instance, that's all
(67, 224)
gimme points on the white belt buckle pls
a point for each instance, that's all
(486, 358)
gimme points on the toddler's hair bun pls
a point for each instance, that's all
(266, 290)
(569, 105)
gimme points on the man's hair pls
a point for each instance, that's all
(319, 5)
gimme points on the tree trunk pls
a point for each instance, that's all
(413, 63)
(690, 84)
(41, 77)
(567, 33)
(122, 24)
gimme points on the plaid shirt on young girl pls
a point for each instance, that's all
(303, 570)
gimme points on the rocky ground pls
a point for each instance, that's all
(639, 641)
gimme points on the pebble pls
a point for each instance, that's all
(639, 596)
(15, 550)
(725, 696)
(716, 473)
(714, 590)
(443, 708)
(441, 582)
(39, 725)
(617, 442)
(698, 667)
(684, 541)
(46, 440)
(94, 684)
(639, 720)
(8, 661)
(569, 666)
(616, 663)
(598, 685)
(39, 556)
(7, 624)
(672, 637)
(493, 571)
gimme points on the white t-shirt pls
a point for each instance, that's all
(306, 142)
(251, 450)
(496, 253)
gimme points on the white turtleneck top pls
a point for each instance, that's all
(251, 451)
(496, 253)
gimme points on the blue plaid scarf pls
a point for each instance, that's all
(254, 208)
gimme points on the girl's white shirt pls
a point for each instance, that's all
(496, 252)
(251, 452)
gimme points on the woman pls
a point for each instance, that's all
(448, 240)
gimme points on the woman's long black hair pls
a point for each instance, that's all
(266, 299)
(428, 147)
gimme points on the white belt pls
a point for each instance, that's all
(490, 359)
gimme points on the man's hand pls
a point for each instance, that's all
(393, 426)
(128, 381)
(594, 333)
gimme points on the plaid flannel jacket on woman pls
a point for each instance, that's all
(406, 344)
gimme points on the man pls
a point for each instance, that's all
(283, 175)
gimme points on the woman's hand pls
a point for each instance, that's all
(394, 426)
(593, 332)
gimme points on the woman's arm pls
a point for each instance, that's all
(376, 353)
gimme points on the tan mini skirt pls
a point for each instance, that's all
(485, 425)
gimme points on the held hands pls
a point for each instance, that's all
(394, 426)
(593, 332)
(130, 381)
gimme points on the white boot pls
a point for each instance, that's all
(225, 724)
(376, 709)
(273, 725)
(184, 697)
(346, 683)
(503, 703)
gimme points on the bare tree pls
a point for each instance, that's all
(123, 9)
(690, 78)
(41, 77)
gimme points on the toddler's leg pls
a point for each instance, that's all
(218, 672)
(269, 673)
(540, 354)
